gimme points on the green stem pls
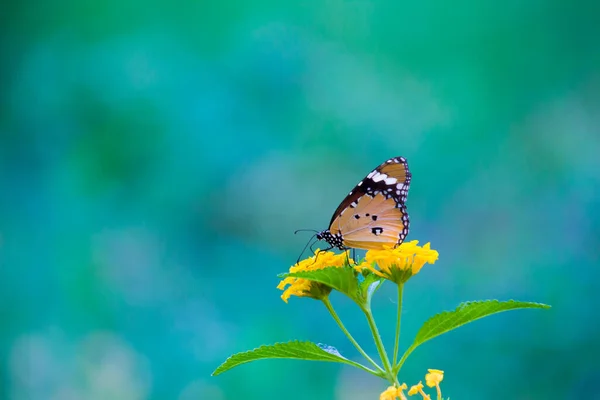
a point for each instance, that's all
(379, 344)
(369, 370)
(404, 357)
(398, 318)
(349, 336)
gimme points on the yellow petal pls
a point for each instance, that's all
(415, 389)
(434, 377)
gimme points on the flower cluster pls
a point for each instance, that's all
(307, 288)
(432, 378)
(399, 264)
(396, 265)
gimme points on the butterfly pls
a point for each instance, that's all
(373, 215)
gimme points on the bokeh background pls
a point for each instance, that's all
(155, 159)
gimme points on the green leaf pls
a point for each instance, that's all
(292, 350)
(465, 313)
(342, 279)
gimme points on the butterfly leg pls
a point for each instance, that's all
(353, 256)
(313, 251)
(320, 251)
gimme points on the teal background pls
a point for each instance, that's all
(155, 159)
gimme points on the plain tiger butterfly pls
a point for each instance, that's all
(373, 215)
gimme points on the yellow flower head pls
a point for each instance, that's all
(388, 394)
(392, 393)
(307, 288)
(418, 389)
(434, 377)
(399, 264)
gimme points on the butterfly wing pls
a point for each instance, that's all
(373, 215)
(375, 223)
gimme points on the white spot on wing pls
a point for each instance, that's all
(379, 177)
(391, 180)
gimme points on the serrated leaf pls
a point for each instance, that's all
(291, 350)
(342, 279)
(465, 313)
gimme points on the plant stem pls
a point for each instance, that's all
(369, 370)
(349, 336)
(404, 357)
(382, 354)
(398, 318)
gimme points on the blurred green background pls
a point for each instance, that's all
(155, 159)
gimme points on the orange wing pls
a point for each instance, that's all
(373, 214)
(375, 222)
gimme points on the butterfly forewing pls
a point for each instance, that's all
(392, 177)
(373, 215)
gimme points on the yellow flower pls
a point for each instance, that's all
(389, 394)
(399, 264)
(418, 388)
(392, 393)
(433, 378)
(307, 288)
(400, 391)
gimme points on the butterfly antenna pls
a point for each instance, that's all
(305, 230)
(307, 244)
